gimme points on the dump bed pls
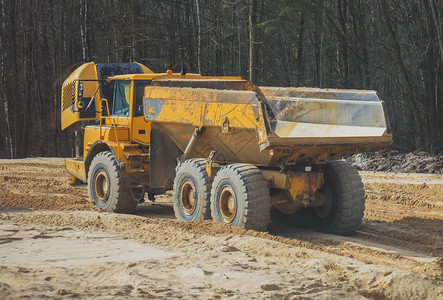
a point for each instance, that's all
(264, 125)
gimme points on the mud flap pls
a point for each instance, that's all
(163, 156)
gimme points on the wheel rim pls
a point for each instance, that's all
(227, 204)
(101, 186)
(324, 211)
(188, 197)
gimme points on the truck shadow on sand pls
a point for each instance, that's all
(155, 210)
(409, 236)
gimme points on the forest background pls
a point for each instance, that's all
(392, 46)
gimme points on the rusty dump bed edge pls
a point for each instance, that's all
(312, 117)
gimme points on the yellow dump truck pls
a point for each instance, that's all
(229, 150)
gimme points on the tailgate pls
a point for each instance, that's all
(310, 117)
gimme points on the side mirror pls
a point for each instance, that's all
(146, 109)
(105, 103)
(80, 101)
(152, 108)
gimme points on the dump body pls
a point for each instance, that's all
(267, 125)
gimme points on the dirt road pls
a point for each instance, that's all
(54, 244)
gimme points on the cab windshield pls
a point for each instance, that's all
(122, 93)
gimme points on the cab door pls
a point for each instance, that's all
(141, 129)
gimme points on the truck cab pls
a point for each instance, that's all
(106, 100)
(98, 103)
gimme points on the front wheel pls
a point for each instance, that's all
(105, 185)
(240, 197)
(345, 200)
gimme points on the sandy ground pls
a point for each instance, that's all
(55, 244)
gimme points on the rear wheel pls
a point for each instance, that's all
(192, 187)
(105, 185)
(345, 200)
(240, 197)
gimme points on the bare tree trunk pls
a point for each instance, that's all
(191, 29)
(239, 57)
(252, 40)
(299, 53)
(342, 55)
(320, 50)
(27, 40)
(411, 99)
(199, 36)
(437, 27)
(133, 29)
(83, 26)
(9, 145)
(434, 80)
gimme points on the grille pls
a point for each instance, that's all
(68, 94)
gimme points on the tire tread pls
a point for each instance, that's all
(255, 192)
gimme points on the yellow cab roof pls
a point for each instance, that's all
(151, 76)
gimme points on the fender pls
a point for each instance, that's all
(96, 148)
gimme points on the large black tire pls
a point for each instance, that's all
(106, 187)
(240, 197)
(345, 199)
(192, 187)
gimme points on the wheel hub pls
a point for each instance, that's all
(227, 204)
(101, 186)
(188, 197)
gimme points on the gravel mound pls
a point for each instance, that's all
(394, 161)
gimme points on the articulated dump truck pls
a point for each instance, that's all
(230, 150)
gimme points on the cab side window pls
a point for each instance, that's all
(138, 97)
(122, 94)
